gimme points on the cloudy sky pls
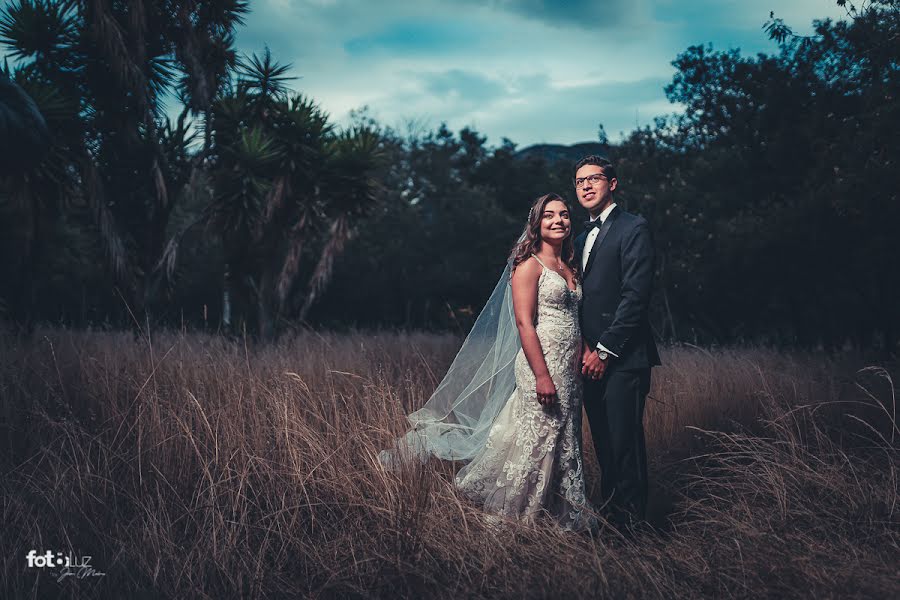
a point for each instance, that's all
(530, 70)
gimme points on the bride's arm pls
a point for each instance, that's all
(524, 295)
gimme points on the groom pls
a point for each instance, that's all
(616, 253)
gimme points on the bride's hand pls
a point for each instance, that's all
(585, 353)
(546, 391)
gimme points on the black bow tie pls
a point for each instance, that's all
(591, 224)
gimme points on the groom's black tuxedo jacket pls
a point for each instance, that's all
(617, 284)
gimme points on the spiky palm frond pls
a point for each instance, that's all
(263, 76)
(161, 73)
(302, 130)
(352, 185)
(232, 113)
(227, 118)
(256, 152)
(55, 107)
(244, 180)
(305, 113)
(222, 15)
(37, 28)
(176, 140)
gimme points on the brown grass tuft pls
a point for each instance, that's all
(187, 465)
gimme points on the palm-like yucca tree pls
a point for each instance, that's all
(283, 188)
(243, 184)
(352, 187)
(116, 62)
(287, 188)
(204, 47)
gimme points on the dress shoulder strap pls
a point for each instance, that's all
(540, 262)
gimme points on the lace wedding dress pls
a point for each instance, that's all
(531, 464)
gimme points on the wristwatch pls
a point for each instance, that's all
(602, 354)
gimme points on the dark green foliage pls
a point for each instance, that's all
(772, 196)
(784, 164)
(99, 72)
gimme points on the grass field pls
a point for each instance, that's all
(191, 466)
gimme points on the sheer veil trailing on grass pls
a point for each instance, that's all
(455, 422)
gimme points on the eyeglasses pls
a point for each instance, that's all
(594, 179)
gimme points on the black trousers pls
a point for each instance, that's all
(615, 409)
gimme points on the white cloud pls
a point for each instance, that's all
(529, 70)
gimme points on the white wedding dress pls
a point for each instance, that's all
(531, 464)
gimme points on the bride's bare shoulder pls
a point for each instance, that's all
(527, 271)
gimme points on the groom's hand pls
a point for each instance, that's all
(585, 354)
(591, 365)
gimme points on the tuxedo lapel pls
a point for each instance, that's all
(604, 230)
(579, 244)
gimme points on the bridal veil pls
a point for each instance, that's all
(455, 421)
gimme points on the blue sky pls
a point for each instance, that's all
(531, 70)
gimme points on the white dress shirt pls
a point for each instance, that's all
(586, 253)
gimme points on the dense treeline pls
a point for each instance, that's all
(772, 195)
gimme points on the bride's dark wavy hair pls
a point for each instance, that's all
(523, 250)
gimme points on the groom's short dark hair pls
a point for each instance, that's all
(593, 159)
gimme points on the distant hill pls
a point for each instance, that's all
(555, 152)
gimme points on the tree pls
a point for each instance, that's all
(101, 70)
(287, 191)
(785, 162)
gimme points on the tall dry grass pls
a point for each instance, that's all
(192, 466)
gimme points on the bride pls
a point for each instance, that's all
(510, 405)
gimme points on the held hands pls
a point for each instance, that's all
(591, 365)
(546, 391)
